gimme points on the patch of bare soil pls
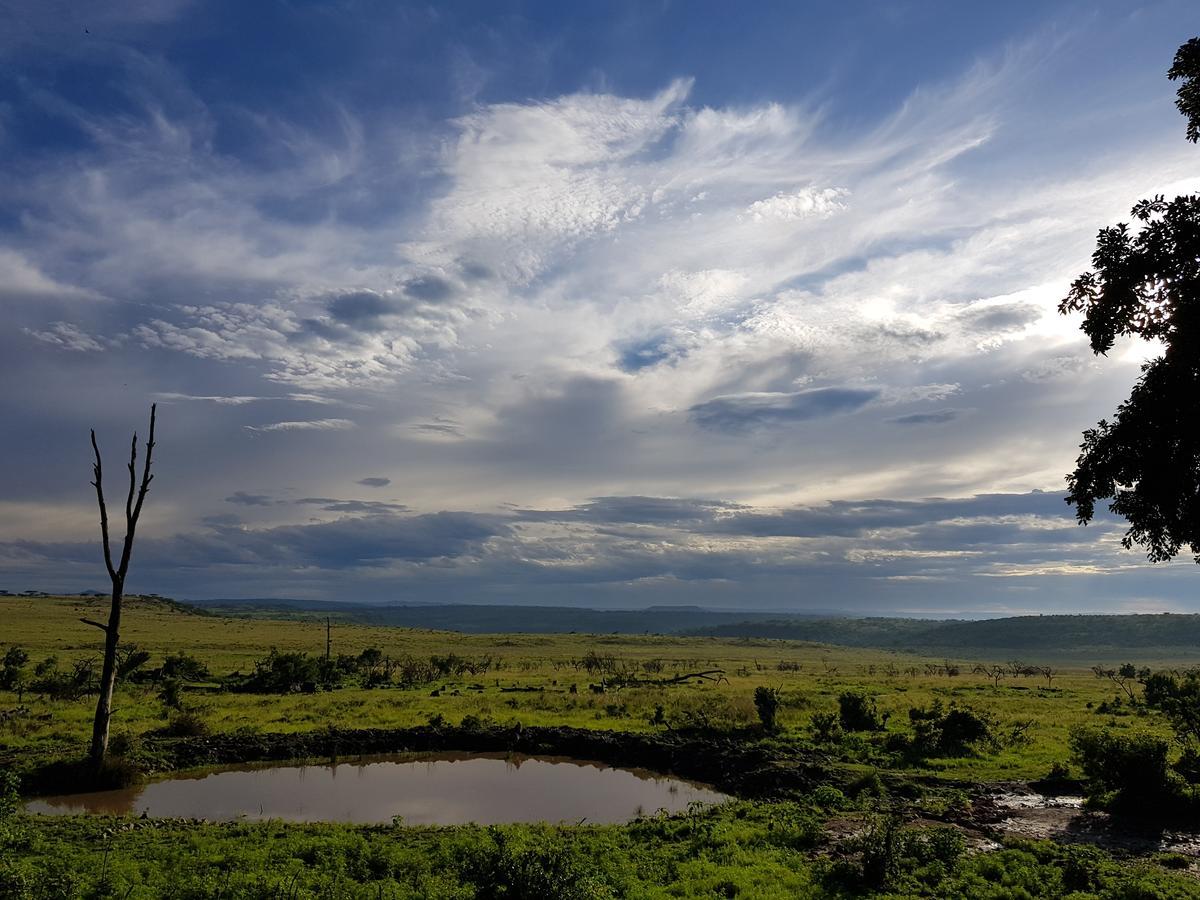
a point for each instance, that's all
(1015, 809)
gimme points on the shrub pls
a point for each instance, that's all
(57, 685)
(766, 702)
(956, 731)
(284, 673)
(503, 868)
(10, 796)
(124, 744)
(825, 727)
(857, 712)
(1130, 766)
(710, 712)
(827, 796)
(170, 692)
(183, 667)
(186, 723)
(12, 674)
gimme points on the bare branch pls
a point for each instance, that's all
(94, 624)
(132, 480)
(132, 517)
(98, 484)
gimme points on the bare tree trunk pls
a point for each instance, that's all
(117, 573)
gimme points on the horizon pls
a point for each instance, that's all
(609, 307)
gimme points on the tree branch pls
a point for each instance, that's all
(94, 624)
(98, 484)
(132, 480)
(132, 517)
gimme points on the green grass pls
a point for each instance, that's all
(51, 626)
(765, 851)
(745, 849)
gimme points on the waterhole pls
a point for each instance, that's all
(441, 789)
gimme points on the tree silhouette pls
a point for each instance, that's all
(117, 573)
(1146, 282)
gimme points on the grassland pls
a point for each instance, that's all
(810, 677)
(747, 849)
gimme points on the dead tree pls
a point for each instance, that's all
(117, 573)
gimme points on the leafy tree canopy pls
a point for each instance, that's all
(1146, 283)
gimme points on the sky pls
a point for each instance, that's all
(601, 304)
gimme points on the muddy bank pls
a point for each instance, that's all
(1016, 810)
(743, 768)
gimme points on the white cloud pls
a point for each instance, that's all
(802, 204)
(305, 425)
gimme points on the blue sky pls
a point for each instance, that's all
(607, 304)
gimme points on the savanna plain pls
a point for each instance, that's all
(851, 771)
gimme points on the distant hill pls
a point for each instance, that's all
(480, 619)
(1078, 638)
(1165, 635)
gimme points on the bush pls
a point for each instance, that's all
(57, 685)
(184, 668)
(170, 692)
(12, 674)
(710, 712)
(886, 850)
(1132, 767)
(956, 731)
(124, 744)
(10, 793)
(186, 723)
(505, 869)
(827, 796)
(857, 712)
(284, 673)
(766, 702)
(825, 727)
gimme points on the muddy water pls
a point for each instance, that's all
(443, 789)
(1064, 819)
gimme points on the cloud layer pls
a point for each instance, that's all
(489, 339)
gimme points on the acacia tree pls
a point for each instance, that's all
(133, 509)
(1146, 282)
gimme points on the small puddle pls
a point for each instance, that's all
(441, 789)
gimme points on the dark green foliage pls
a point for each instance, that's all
(766, 702)
(50, 682)
(825, 727)
(952, 731)
(886, 849)
(1187, 98)
(130, 658)
(857, 712)
(744, 850)
(186, 723)
(170, 692)
(183, 667)
(1178, 698)
(9, 793)
(12, 675)
(283, 673)
(1146, 283)
(1129, 767)
(506, 869)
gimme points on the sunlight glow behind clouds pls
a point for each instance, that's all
(524, 302)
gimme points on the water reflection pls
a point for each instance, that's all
(446, 789)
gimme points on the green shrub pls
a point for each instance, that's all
(183, 667)
(953, 731)
(186, 723)
(857, 712)
(1132, 767)
(825, 727)
(505, 869)
(766, 702)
